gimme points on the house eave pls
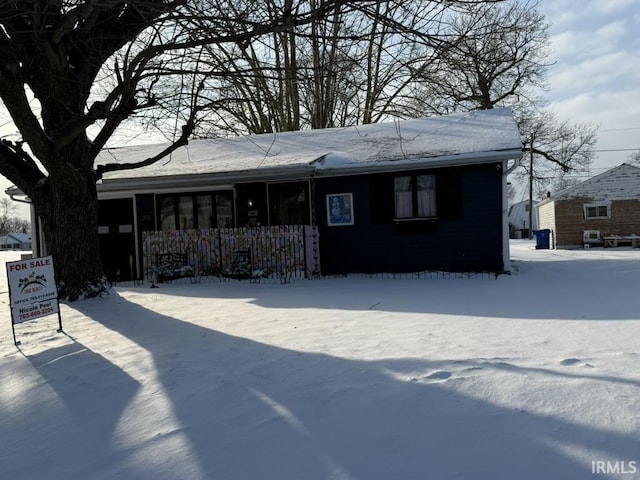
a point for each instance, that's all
(454, 160)
(204, 180)
(295, 172)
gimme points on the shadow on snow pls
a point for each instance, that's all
(248, 410)
(539, 290)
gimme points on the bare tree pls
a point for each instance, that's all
(72, 73)
(9, 220)
(7, 214)
(497, 56)
(634, 158)
(555, 152)
(357, 65)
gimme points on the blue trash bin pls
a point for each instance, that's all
(542, 238)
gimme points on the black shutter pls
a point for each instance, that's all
(449, 194)
(381, 199)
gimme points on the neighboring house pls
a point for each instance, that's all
(608, 204)
(15, 241)
(519, 219)
(404, 196)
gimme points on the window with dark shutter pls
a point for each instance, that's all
(415, 197)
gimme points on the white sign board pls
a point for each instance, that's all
(32, 288)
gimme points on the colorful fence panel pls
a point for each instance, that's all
(283, 252)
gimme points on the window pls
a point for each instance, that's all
(224, 210)
(596, 211)
(202, 210)
(289, 203)
(185, 213)
(167, 214)
(392, 197)
(415, 196)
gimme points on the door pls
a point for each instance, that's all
(117, 239)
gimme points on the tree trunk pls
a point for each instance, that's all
(69, 214)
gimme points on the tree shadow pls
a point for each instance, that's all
(541, 290)
(62, 424)
(243, 409)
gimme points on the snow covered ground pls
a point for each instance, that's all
(528, 376)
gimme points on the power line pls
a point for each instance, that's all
(617, 150)
(619, 129)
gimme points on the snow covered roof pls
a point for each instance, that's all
(20, 237)
(619, 183)
(15, 239)
(479, 136)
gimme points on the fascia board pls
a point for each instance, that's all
(203, 180)
(476, 158)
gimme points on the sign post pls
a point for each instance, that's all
(32, 291)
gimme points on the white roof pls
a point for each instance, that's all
(460, 138)
(619, 183)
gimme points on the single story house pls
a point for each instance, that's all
(606, 205)
(403, 196)
(15, 241)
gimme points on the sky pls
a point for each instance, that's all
(596, 75)
(533, 376)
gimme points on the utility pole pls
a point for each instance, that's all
(531, 188)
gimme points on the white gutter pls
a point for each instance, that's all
(326, 167)
(320, 167)
(210, 179)
(506, 252)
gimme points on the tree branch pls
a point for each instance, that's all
(19, 167)
(564, 166)
(183, 140)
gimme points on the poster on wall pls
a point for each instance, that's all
(32, 290)
(339, 209)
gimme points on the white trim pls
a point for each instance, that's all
(131, 193)
(137, 248)
(206, 179)
(279, 174)
(422, 163)
(506, 253)
(586, 206)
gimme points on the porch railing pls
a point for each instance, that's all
(278, 252)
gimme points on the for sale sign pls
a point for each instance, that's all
(32, 289)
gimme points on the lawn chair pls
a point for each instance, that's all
(591, 238)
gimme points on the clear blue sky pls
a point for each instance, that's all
(596, 78)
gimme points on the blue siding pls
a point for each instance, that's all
(471, 240)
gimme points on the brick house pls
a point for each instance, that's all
(608, 204)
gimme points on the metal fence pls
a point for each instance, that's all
(278, 253)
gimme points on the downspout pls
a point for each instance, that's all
(506, 254)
